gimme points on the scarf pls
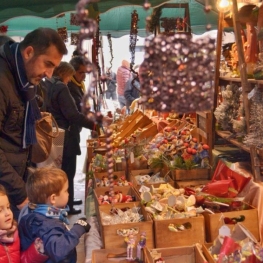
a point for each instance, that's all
(7, 236)
(81, 85)
(26, 90)
(50, 211)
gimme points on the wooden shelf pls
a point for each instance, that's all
(226, 135)
(239, 80)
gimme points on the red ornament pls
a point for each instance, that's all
(3, 29)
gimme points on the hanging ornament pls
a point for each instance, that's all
(89, 30)
(74, 19)
(111, 51)
(62, 31)
(181, 78)
(146, 5)
(3, 29)
(133, 36)
(74, 39)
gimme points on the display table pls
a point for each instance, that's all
(253, 194)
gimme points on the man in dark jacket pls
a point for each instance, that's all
(22, 66)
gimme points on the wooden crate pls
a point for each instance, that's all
(125, 190)
(148, 132)
(99, 176)
(165, 238)
(133, 173)
(137, 186)
(190, 183)
(193, 174)
(187, 254)
(139, 122)
(139, 163)
(103, 255)
(110, 237)
(213, 222)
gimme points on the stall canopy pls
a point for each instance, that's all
(21, 16)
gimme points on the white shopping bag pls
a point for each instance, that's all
(55, 157)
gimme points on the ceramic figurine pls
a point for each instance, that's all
(141, 244)
(130, 240)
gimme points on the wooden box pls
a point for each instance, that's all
(98, 177)
(148, 132)
(213, 222)
(125, 190)
(166, 238)
(192, 174)
(190, 183)
(109, 233)
(139, 163)
(137, 186)
(183, 254)
(106, 255)
(139, 122)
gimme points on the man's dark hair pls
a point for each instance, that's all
(41, 39)
(77, 61)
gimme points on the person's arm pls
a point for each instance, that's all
(9, 177)
(69, 109)
(56, 241)
(128, 92)
(35, 253)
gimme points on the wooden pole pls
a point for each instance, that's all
(217, 72)
(241, 61)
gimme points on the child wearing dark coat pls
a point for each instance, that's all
(47, 190)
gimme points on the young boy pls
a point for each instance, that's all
(47, 190)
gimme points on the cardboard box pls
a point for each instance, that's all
(184, 254)
(166, 238)
(111, 238)
(213, 222)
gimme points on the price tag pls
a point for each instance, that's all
(251, 94)
(132, 157)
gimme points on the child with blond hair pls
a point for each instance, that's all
(47, 191)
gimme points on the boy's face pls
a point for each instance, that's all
(61, 200)
(6, 215)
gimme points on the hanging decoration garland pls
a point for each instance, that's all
(133, 40)
(111, 51)
(74, 39)
(74, 19)
(133, 36)
(62, 31)
(88, 29)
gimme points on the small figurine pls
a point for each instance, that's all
(130, 240)
(141, 244)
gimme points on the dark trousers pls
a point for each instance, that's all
(69, 164)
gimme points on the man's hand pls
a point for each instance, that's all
(23, 204)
